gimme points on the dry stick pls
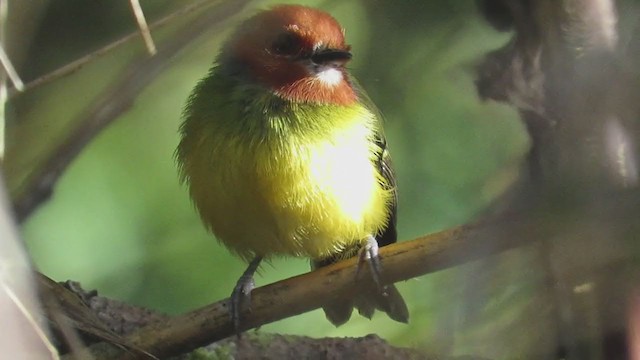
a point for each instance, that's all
(114, 101)
(37, 328)
(76, 65)
(4, 11)
(10, 70)
(293, 296)
(142, 25)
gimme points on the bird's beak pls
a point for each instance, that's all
(331, 57)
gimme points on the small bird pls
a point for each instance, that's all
(284, 154)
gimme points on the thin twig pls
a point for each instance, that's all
(114, 101)
(76, 65)
(10, 70)
(4, 11)
(27, 315)
(142, 25)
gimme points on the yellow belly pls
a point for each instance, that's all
(299, 197)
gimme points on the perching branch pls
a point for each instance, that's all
(310, 291)
(401, 261)
(124, 319)
(114, 101)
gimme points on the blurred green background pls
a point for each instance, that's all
(120, 222)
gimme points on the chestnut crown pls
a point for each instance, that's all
(296, 51)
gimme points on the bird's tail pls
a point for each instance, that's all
(367, 302)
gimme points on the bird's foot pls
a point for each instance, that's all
(369, 254)
(241, 296)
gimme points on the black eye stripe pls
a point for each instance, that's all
(286, 44)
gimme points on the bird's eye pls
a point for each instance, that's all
(286, 44)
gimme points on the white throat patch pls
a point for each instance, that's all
(330, 76)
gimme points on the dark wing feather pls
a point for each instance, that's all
(389, 234)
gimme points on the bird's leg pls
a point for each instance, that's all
(369, 254)
(241, 295)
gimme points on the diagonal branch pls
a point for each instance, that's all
(303, 293)
(77, 64)
(616, 214)
(113, 102)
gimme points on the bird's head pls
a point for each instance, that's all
(296, 51)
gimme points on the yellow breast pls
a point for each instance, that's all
(301, 193)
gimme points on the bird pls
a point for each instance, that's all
(284, 154)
